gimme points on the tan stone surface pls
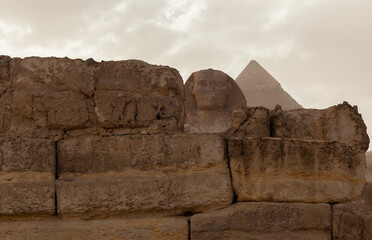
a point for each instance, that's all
(46, 97)
(171, 174)
(211, 95)
(27, 169)
(272, 169)
(351, 222)
(369, 166)
(250, 122)
(261, 89)
(263, 220)
(340, 123)
(56, 74)
(111, 229)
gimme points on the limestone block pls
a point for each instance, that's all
(369, 166)
(138, 76)
(57, 110)
(340, 123)
(272, 169)
(121, 109)
(351, 222)
(27, 169)
(250, 122)
(142, 174)
(108, 229)
(263, 220)
(4, 73)
(55, 74)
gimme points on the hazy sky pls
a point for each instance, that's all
(319, 50)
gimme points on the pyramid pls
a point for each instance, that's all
(261, 89)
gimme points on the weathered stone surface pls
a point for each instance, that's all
(264, 221)
(22, 198)
(369, 166)
(351, 222)
(136, 94)
(56, 74)
(58, 110)
(139, 77)
(143, 174)
(22, 154)
(141, 152)
(340, 123)
(27, 169)
(250, 122)
(272, 169)
(4, 73)
(146, 193)
(58, 229)
(117, 109)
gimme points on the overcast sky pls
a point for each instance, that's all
(319, 50)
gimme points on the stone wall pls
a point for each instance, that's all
(97, 151)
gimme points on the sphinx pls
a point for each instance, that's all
(211, 97)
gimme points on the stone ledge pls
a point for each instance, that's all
(61, 229)
(263, 220)
(287, 170)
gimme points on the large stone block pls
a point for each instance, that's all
(139, 77)
(146, 193)
(27, 177)
(369, 166)
(264, 221)
(142, 174)
(55, 74)
(250, 122)
(57, 110)
(136, 94)
(108, 229)
(340, 123)
(272, 169)
(159, 152)
(119, 109)
(351, 222)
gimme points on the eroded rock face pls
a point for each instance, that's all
(272, 169)
(27, 168)
(55, 98)
(171, 174)
(250, 122)
(369, 166)
(340, 123)
(264, 221)
(353, 220)
(211, 95)
(58, 229)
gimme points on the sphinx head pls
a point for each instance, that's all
(210, 89)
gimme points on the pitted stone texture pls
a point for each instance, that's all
(53, 97)
(340, 123)
(139, 77)
(369, 166)
(58, 110)
(54, 74)
(250, 122)
(141, 152)
(264, 221)
(108, 229)
(272, 169)
(143, 174)
(27, 169)
(146, 193)
(351, 222)
(136, 94)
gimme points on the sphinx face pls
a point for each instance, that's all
(210, 90)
